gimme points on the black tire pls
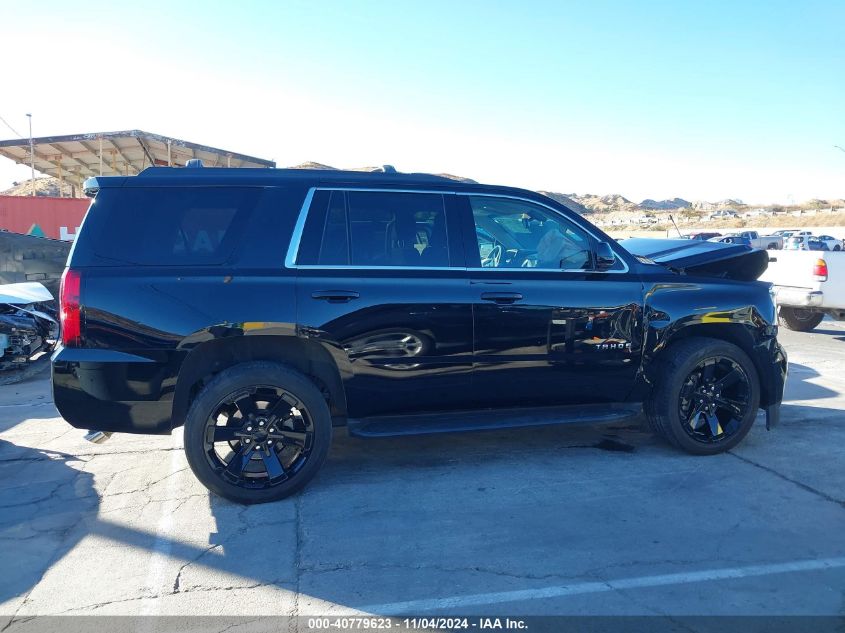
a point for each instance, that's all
(665, 407)
(799, 319)
(837, 248)
(251, 479)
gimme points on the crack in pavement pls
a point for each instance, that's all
(100, 605)
(189, 563)
(800, 484)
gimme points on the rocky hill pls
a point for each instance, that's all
(567, 200)
(603, 204)
(46, 186)
(664, 205)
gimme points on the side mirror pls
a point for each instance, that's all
(605, 257)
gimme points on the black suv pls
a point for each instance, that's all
(260, 308)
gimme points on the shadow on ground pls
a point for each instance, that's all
(419, 517)
(41, 502)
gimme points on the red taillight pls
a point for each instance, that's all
(820, 270)
(71, 314)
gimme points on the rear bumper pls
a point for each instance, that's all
(111, 391)
(798, 297)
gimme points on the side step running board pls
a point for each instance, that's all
(489, 419)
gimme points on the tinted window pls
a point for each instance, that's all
(169, 225)
(376, 229)
(334, 247)
(519, 234)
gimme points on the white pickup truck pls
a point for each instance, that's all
(766, 242)
(807, 285)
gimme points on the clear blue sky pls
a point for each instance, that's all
(647, 99)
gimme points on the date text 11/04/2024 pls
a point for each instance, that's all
(424, 623)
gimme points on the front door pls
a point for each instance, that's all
(550, 329)
(381, 283)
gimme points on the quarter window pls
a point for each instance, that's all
(519, 234)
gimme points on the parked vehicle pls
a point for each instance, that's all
(29, 330)
(725, 214)
(766, 242)
(262, 308)
(703, 235)
(796, 233)
(805, 243)
(28, 258)
(807, 286)
(832, 243)
(732, 239)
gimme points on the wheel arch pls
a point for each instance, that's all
(737, 333)
(308, 357)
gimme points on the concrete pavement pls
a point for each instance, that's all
(559, 520)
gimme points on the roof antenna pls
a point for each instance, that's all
(388, 169)
(194, 162)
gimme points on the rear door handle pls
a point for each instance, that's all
(501, 297)
(335, 296)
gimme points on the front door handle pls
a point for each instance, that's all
(501, 297)
(335, 296)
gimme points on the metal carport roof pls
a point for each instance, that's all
(75, 157)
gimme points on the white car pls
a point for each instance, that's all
(832, 243)
(805, 243)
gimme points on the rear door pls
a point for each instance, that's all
(549, 328)
(381, 281)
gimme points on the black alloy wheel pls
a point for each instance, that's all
(714, 400)
(705, 396)
(257, 432)
(259, 437)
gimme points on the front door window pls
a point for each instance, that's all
(519, 234)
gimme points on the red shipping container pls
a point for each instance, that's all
(56, 218)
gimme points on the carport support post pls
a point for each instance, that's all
(61, 179)
(101, 155)
(169, 161)
(31, 156)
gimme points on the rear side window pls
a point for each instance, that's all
(168, 226)
(376, 229)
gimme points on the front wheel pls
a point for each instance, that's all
(705, 397)
(257, 432)
(799, 319)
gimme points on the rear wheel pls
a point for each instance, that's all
(257, 432)
(799, 319)
(705, 397)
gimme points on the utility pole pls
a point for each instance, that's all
(31, 156)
